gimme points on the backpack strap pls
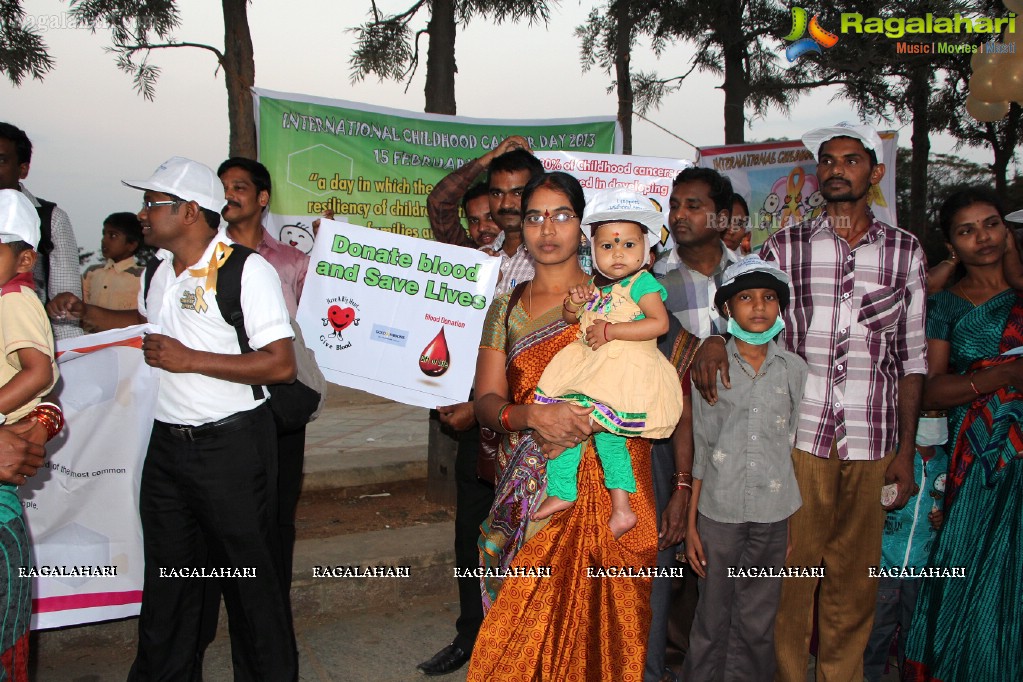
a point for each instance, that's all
(147, 279)
(229, 299)
(45, 247)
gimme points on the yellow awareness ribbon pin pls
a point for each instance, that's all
(201, 305)
(220, 255)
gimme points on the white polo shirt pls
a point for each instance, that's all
(184, 310)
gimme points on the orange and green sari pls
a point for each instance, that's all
(578, 623)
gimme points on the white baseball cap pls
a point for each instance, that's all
(620, 204)
(1015, 216)
(19, 220)
(858, 131)
(185, 179)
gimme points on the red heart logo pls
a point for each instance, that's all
(340, 317)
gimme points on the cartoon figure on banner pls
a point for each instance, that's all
(793, 199)
(299, 236)
(342, 312)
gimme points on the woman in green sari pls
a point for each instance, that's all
(970, 626)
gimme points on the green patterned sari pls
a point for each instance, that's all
(971, 627)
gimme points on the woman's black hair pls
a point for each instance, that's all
(562, 183)
(964, 198)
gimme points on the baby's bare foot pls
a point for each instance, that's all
(553, 505)
(621, 522)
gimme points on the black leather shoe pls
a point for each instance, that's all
(447, 660)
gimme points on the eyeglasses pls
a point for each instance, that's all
(147, 205)
(536, 220)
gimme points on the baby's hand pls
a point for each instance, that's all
(598, 333)
(581, 293)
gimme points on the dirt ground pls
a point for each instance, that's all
(375, 507)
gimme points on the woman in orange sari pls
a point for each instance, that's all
(577, 623)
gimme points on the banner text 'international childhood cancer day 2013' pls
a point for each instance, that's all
(374, 166)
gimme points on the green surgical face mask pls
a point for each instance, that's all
(755, 338)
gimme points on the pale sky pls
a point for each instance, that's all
(90, 129)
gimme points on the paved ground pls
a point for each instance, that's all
(363, 646)
(358, 440)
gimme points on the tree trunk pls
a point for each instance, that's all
(1007, 138)
(440, 59)
(919, 96)
(623, 73)
(240, 76)
(736, 83)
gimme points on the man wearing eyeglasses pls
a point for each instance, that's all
(207, 482)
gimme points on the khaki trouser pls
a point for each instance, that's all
(839, 526)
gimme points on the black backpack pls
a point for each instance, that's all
(45, 211)
(294, 404)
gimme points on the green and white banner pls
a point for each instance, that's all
(374, 166)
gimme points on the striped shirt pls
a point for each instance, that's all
(691, 293)
(857, 318)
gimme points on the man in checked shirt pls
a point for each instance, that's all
(56, 268)
(857, 318)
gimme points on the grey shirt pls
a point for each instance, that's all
(743, 444)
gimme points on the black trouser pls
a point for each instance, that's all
(290, 457)
(673, 600)
(472, 504)
(213, 496)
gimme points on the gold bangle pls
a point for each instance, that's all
(576, 307)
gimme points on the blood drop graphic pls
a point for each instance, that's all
(435, 360)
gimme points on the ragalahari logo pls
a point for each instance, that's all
(819, 37)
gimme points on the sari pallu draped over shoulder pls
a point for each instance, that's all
(971, 627)
(575, 623)
(990, 433)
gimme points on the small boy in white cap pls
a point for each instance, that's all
(26, 338)
(744, 487)
(615, 367)
(27, 373)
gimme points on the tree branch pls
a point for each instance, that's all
(147, 46)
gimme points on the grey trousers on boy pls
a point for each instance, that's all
(733, 631)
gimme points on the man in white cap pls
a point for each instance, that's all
(857, 318)
(207, 479)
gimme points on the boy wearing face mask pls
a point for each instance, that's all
(744, 488)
